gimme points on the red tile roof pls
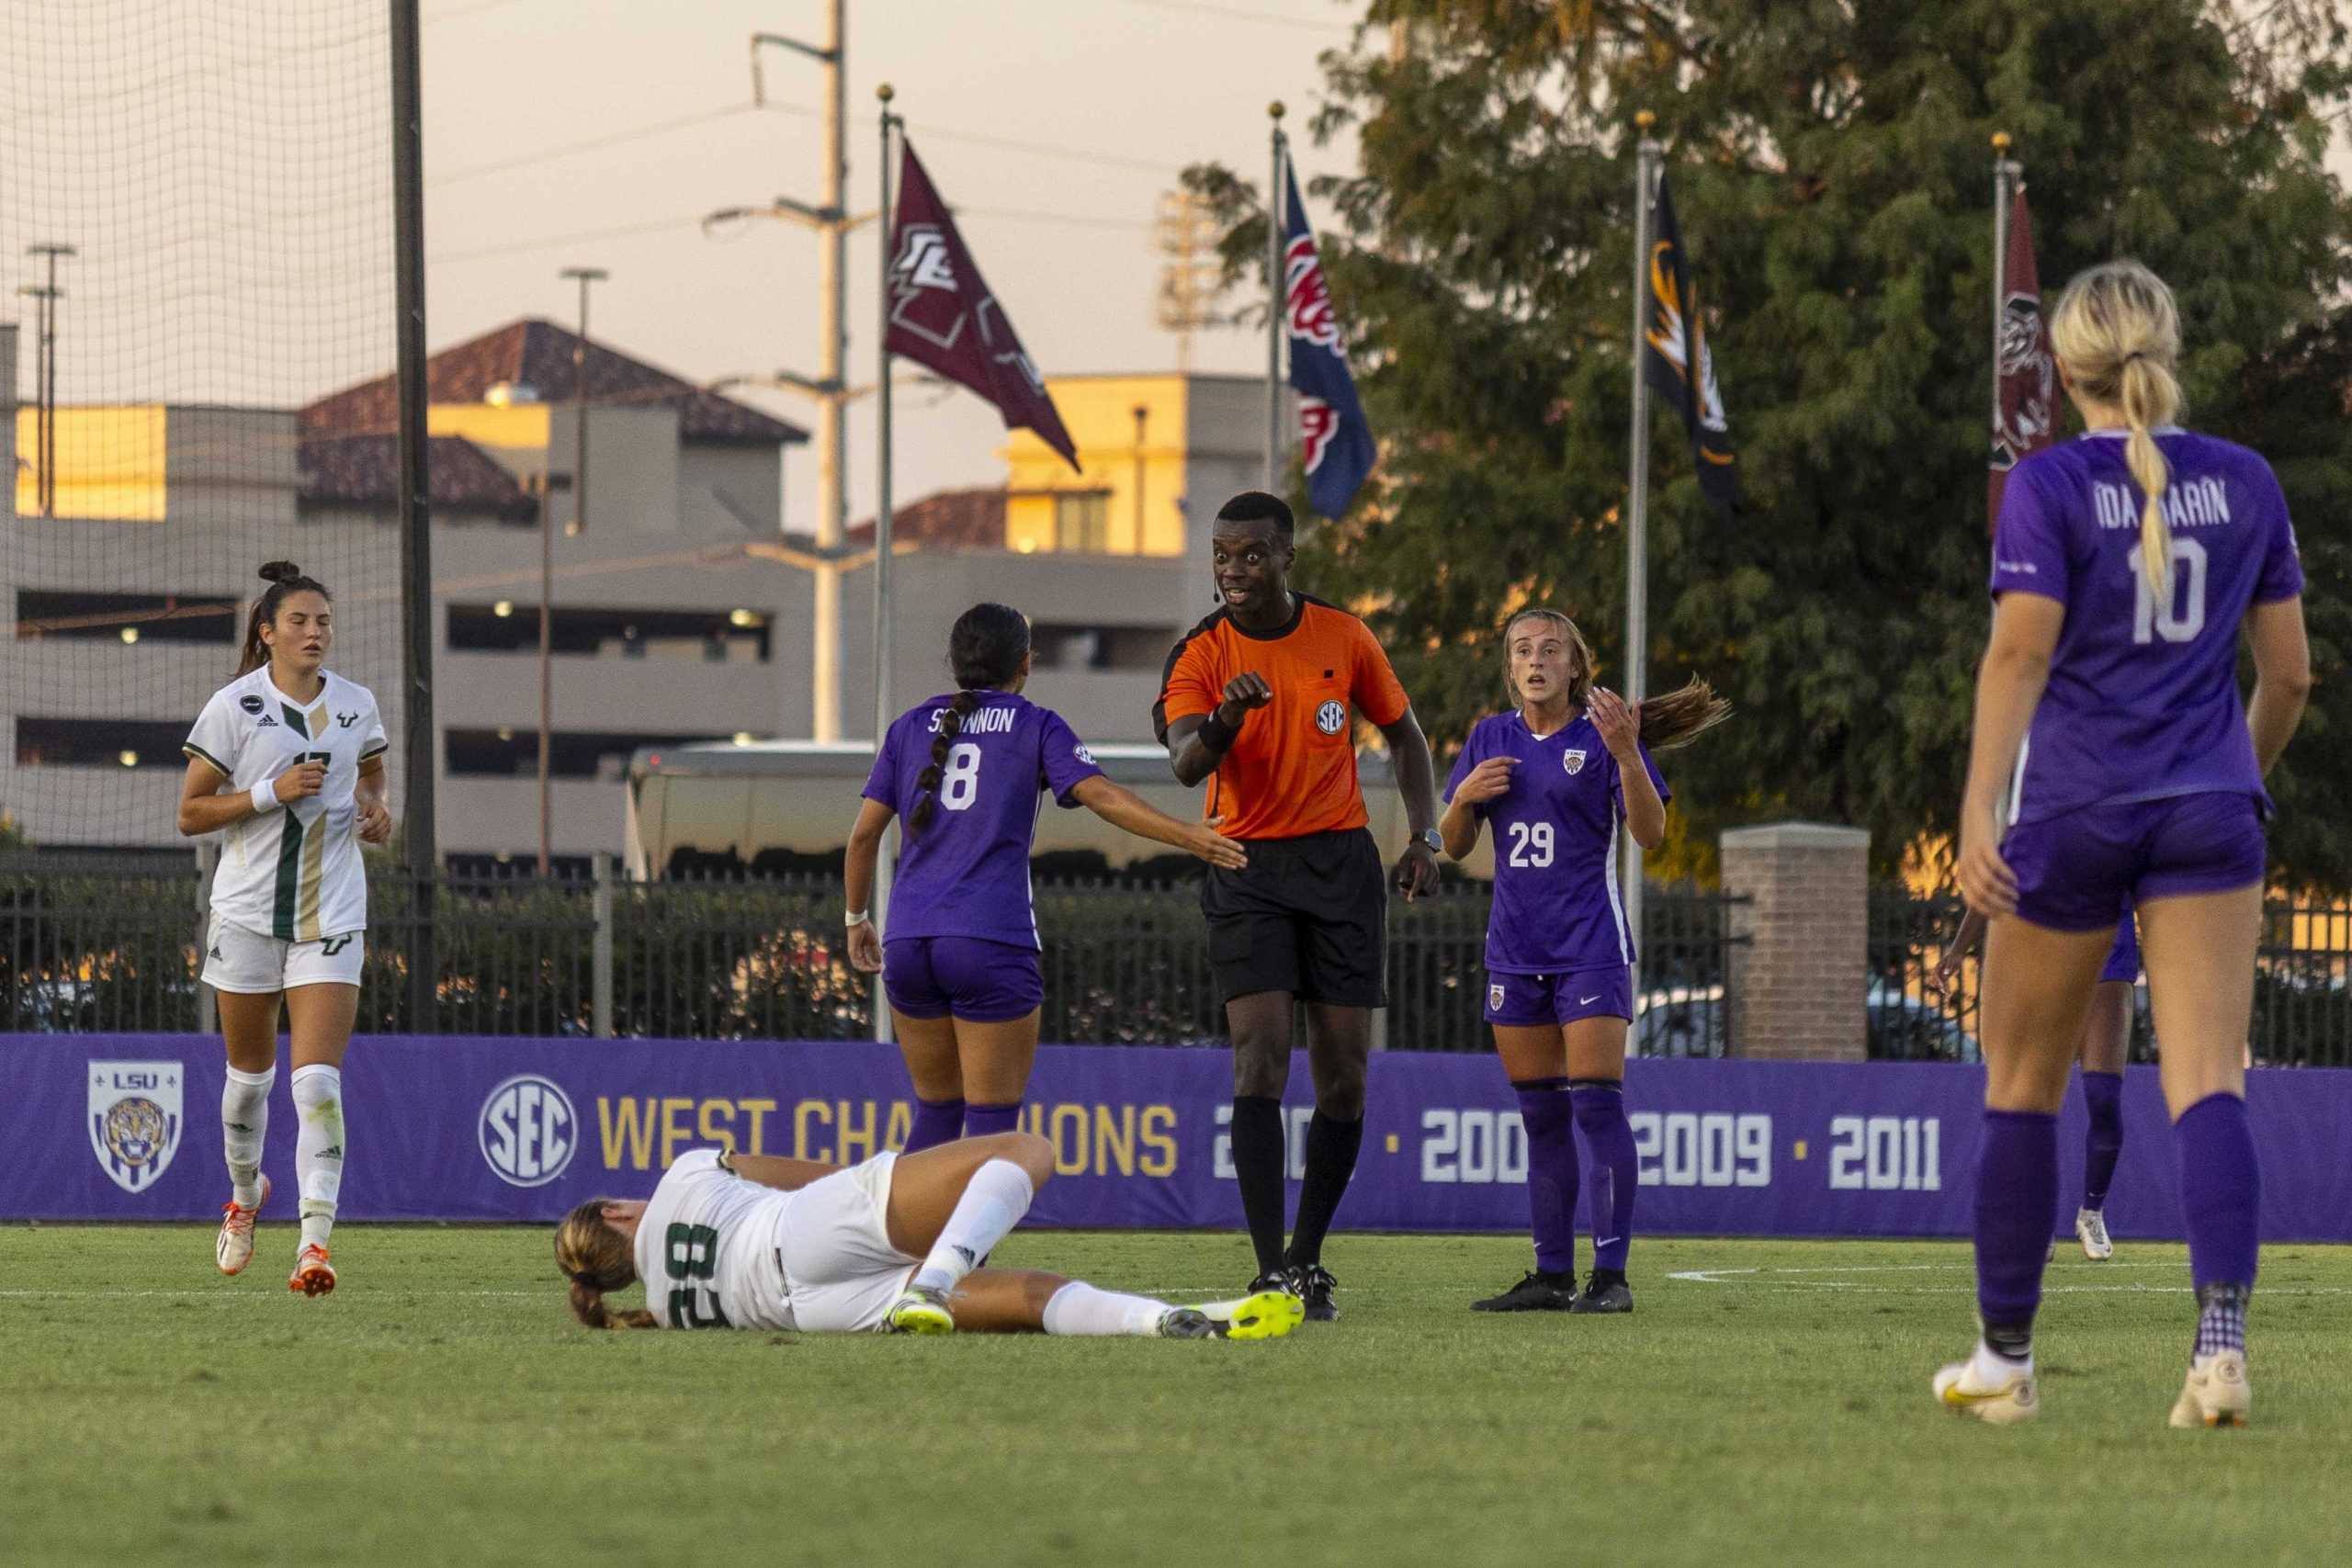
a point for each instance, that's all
(364, 471)
(952, 519)
(538, 353)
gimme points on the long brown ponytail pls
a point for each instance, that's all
(284, 578)
(2117, 331)
(985, 650)
(1675, 719)
(595, 1258)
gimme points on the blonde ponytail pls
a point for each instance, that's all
(595, 1258)
(2117, 333)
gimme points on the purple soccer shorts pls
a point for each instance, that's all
(2074, 871)
(1534, 1001)
(963, 977)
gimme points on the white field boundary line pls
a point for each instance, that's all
(1804, 1280)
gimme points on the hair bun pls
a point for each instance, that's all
(279, 571)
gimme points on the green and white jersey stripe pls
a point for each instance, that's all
(294, 874)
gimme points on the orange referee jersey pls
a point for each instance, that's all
(1292, 771)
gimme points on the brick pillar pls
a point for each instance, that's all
(1799, 980)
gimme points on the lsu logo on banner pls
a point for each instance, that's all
(528, 1131)
(134, 1120)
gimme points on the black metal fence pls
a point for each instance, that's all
(92, 949)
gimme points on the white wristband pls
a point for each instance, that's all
(264, 797)
(853, 917)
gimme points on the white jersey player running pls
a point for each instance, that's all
(286, 764)
(894, 1242)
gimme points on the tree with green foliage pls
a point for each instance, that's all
(1831, 163)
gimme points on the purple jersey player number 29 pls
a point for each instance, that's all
(966, 874)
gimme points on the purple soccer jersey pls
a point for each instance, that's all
(1557, 904)
(966, 874)
(2142, 702)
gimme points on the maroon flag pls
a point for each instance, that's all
(943, 315)
(2026, 387)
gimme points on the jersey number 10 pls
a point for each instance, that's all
(2172, 622)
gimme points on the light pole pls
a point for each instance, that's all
(45, 371)
(584, 276)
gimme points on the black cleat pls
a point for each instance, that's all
(1311, 1283)
(1538, 1292)
(1604, 1292)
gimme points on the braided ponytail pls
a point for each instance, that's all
(986, 650)
(2117, 331)
(951, 725)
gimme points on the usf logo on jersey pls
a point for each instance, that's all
(134, 1120)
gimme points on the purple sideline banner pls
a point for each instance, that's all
(126, 1127)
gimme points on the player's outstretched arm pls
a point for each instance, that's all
(1125, 809)
(2282, 676)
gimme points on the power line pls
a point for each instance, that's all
(692, 220)
(591, 144)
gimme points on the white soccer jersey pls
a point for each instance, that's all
(709, 1248)
(294, 872)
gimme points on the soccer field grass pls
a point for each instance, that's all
(1765, 1397)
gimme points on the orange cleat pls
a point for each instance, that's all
(234, 1249)
(313, 1275)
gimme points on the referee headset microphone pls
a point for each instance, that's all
(987, 650)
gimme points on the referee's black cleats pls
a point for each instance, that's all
(1604, 1292)
(1311, 1283)
(1538, 1292)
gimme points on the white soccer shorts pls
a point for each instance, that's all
(841, 1273)
(249, 964)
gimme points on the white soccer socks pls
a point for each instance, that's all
(998, 1195)
(1078, 1308)
(318, 1148)
(244, 1120)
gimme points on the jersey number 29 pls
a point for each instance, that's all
(2171, 621)
(1531, 843)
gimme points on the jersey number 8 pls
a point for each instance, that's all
(960, 785)
(1531, 843)
(692, 1253)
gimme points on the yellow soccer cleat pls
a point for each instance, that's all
(1269, 1315)
(920, 1311)
(2216, 1393)
(1963, 1390)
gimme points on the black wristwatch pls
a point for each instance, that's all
(1432, 837)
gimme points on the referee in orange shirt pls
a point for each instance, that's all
(1259, 698)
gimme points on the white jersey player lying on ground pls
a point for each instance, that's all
(894, 1242)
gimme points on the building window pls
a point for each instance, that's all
(113, 743)
(736, 636)
(1082, 522)
(1061, 645)
(513, 751)
(129, 617)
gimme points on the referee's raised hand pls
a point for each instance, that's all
(1244, 692)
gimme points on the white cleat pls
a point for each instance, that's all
(2216, 1393)
(1963, 1389)
(234, 1246)
(2090, 1229)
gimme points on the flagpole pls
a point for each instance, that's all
(882, 521)
(1274, 188)
(2004, 174)
(1647, 155)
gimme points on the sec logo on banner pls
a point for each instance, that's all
(528, 1131)
(134, 1120)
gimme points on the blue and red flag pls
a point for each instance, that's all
(1334, 439)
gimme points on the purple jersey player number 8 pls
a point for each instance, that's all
(966, 874)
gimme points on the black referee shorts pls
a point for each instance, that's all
(1306, 915)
